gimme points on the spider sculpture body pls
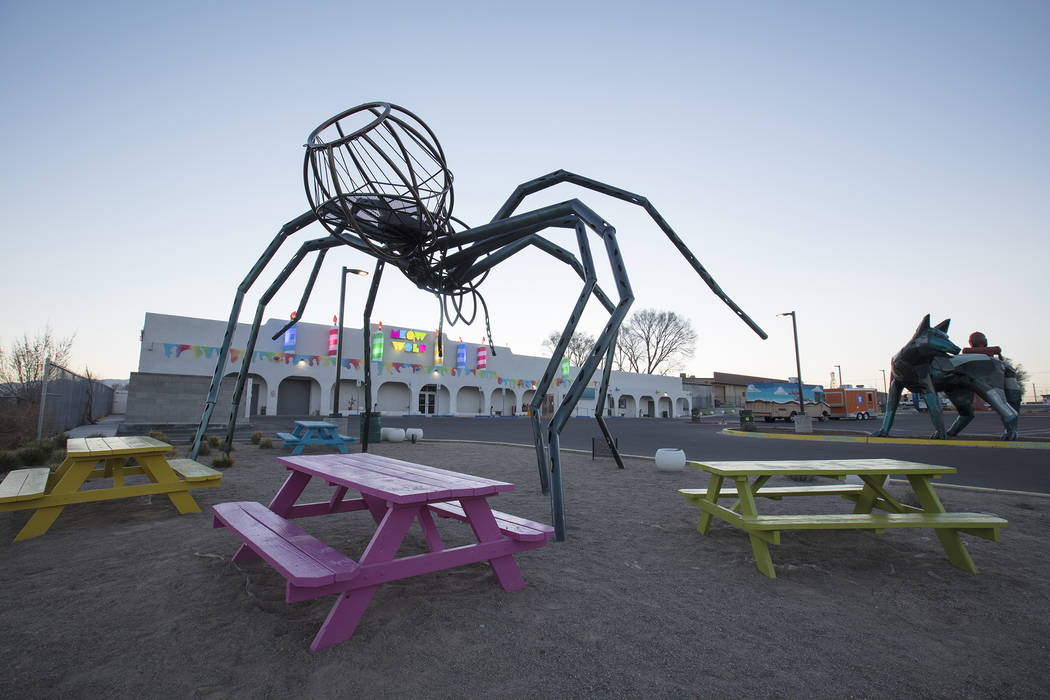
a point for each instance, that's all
(376, 179)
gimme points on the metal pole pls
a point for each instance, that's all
(339, 344)
(43, 399)
(839, 368)
(884, 389)
(798, 366)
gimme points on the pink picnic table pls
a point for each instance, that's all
(396, 494)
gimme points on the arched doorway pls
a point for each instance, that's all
(504, 402)
(663, 408)
(626, 407)
(647, 407)
(681, 407)
(295, 396)
(433, 399)
(469, 399)
(393, 397)
(351, 395)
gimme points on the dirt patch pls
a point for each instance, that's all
(129, 599)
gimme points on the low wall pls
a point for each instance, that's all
(175, 398)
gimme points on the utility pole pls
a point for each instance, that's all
(798, 364)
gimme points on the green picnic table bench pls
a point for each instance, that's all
(764, 529)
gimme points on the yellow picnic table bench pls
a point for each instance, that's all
(750, 479)
(48, 492)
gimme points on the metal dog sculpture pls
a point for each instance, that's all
(930, 363)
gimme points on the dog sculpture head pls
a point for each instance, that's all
(932, 341)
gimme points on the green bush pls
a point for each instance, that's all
(9, 460)
(256, 437)
(59, 441)
(265, 443)
(222, 461)
(158, 435)
(36, 453)
(215, 442)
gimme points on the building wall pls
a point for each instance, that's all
(178, 355)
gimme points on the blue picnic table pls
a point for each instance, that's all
(314, 432)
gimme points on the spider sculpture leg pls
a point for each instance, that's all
(213, 394)
(602, 351)
(366, 328)
(500, 239)
(321, 245)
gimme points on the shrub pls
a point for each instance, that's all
(265, 443)
(35, 454)
(204, 449)
(214, 441)
(59, 441)
(256, 437)
(158, 435)
(222, 461)
(9, 461)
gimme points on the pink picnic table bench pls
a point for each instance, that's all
(396, 494)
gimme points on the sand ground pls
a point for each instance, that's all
(128, 599)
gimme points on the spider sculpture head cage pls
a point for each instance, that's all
(378, 171)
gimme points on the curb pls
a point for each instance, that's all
(1016, 445)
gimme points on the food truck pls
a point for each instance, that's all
(772, 400)
(858, 402)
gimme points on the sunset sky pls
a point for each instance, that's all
(860, 163)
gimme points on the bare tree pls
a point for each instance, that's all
(22, 365)
(654, 342)
(579, 348)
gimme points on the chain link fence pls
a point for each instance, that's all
(68, 400)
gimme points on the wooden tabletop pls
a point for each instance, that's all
(114, 446)
(315, 424)
(821, 467)
(393, 479)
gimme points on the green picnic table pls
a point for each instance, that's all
(751, 478)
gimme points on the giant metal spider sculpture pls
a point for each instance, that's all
(376, 179)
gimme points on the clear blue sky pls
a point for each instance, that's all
(861, 163)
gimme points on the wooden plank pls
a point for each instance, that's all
(76, 445)
(301, 558)
(781, 491)
(24, 484)
(288, 437)
(191, 470)
(871, 521)
(394, 480)
(512, 526)
(823, 467)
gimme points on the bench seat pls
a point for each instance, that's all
(191, 470)
(298, 556)
(288, 438)
(873, 521)
(347, 438)
(510, 525)
(778, 492)
(24, 484)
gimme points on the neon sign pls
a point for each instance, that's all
(408, 341)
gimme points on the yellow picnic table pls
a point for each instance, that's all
(48, 493)
(751, 478)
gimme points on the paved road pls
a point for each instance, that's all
(997, 468)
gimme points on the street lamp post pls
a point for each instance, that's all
(798, 364)
(839, 368)
(339, 344)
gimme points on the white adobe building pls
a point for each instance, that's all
(297, 377)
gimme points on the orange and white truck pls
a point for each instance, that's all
(857, 402)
